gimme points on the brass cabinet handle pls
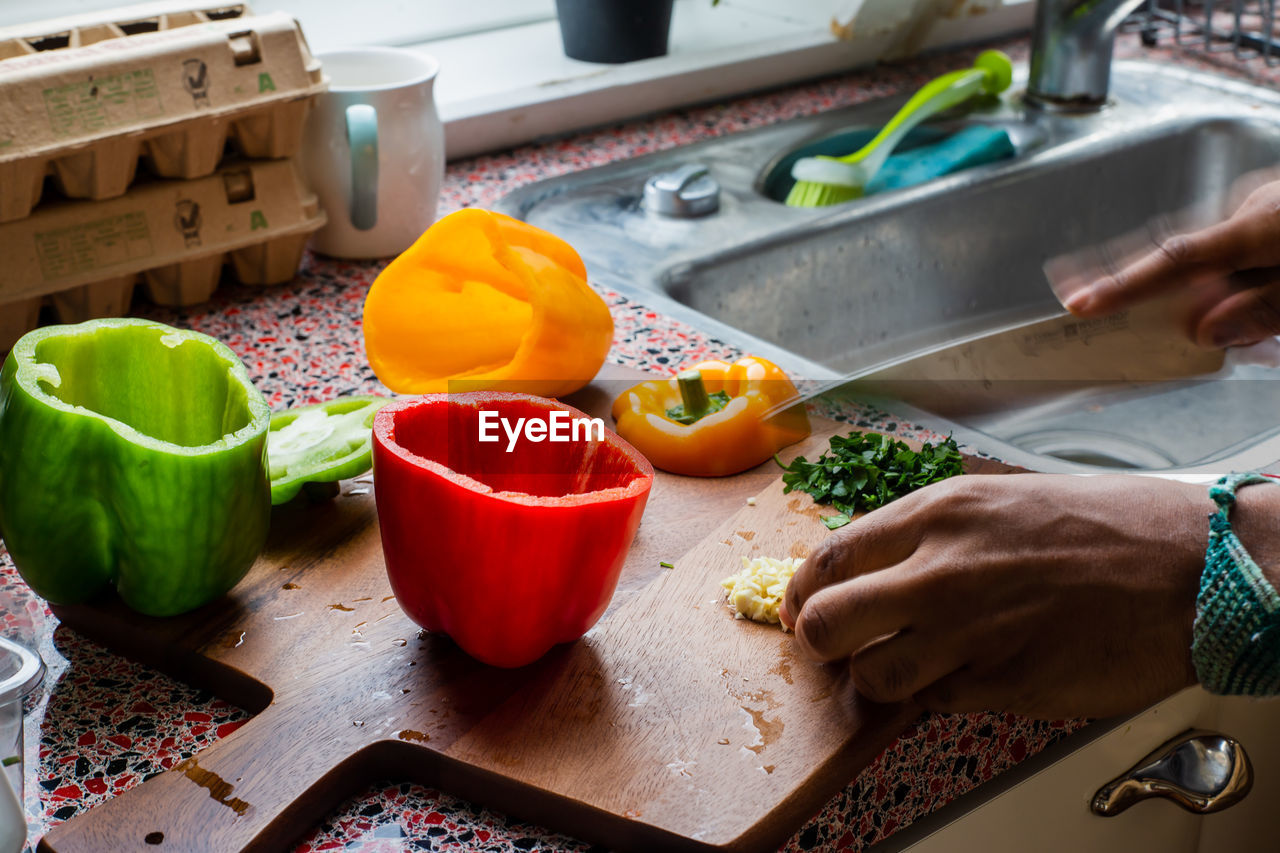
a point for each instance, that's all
(1201, 771)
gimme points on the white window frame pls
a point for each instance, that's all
(504, 79)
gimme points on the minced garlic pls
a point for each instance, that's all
(756, 591)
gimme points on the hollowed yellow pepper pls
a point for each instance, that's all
(488, 299)
(712, 419)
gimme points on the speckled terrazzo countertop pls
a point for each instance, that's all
(102, 724)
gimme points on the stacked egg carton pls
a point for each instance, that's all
(82, 100)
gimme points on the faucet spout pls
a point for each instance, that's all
(1071, 45)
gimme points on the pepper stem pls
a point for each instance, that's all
(693, 393)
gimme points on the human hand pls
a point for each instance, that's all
(1223, 312)
(1047, 595)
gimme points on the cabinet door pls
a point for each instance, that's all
(1045, 807)
(1252, 825)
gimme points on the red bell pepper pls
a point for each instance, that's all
(507, 549)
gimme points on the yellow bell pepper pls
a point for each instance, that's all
(486, 301)
(709, 420)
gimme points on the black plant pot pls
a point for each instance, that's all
(614, 30)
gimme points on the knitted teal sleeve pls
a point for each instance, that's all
(1235, 644)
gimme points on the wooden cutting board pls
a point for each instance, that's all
(670, 726)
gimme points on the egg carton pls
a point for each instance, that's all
(83, 259)
(83, 99)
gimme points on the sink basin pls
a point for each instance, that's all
(882, 285)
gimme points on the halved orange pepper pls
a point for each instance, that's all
(712, 419)
(488, 299)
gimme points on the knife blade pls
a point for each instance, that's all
(1138, 345)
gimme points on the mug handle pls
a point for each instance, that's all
(362, 138)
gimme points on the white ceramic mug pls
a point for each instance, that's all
(374, 151)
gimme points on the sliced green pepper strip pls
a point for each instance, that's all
(322, 443)
(133, 454)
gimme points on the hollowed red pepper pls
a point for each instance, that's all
(509, 552)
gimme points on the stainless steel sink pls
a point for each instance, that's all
(881, 284)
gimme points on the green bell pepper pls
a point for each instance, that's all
(322, 443)
(133, 454)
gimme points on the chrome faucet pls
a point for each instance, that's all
(1071, 45)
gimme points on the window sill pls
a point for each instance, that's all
(737, 47)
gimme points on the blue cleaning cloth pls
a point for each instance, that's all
(973, 146)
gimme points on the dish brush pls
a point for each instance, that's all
(823, 180)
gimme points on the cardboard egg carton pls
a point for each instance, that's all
(83, 98)
(83, 259)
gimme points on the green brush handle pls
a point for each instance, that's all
(991, 73)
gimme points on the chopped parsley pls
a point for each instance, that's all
(864, 471)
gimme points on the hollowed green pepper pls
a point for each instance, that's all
(133, 454)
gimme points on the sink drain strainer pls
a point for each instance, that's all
(1100, 449)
